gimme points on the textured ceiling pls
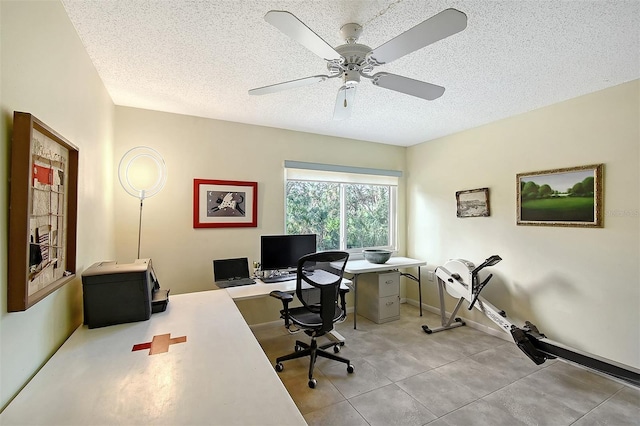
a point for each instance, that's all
(201, 57)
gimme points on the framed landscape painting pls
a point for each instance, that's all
(561, 197)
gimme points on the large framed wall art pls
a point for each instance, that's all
(561, 197)
(42, 212)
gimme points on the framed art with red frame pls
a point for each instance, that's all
(225, 204)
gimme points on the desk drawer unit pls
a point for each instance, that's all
(379, 297)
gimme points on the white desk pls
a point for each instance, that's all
(218, 376)
(261, 289)
(357, 267)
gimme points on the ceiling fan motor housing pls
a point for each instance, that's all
(355, 56)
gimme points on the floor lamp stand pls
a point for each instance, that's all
(139, 228)
(128, 166)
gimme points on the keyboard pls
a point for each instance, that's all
(235, 282)
(279, 278)
(284, 277)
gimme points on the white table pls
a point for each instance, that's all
(357, 267)
(213, 372)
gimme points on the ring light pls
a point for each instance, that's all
(134, 175)
(130, 166)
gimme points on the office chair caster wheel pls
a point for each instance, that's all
(279, 367)
(336, 349)
(297, 348)
(350, 368)
(426, 329)
(341, 343)
(312, 383)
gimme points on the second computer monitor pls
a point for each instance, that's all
(283, 251)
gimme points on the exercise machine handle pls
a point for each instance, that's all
(492, 260)
(477, 289)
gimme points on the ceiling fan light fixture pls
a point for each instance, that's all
(351, 77)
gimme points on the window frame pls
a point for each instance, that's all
(392, 214)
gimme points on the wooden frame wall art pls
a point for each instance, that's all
(473, 203)
(561, 197)
(42, 212)
(224, 204)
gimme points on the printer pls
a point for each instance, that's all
(116, 293)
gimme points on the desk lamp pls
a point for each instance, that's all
(138, 177)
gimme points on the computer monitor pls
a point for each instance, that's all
(283, 251)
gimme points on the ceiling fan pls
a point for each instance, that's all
(351, 60)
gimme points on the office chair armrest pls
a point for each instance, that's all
(285, 297)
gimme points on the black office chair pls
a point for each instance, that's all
(318, 286)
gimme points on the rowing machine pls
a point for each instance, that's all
(460, 279)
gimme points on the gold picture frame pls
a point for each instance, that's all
(43, 209)
(570, 197)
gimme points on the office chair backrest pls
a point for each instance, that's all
(323, 271)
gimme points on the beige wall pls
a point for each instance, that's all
(581, 287)
(46, 71)
(211, 149)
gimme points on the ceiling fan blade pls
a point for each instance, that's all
(344, 102)
(288, 85)
(408, 86)
(297, 30)
(444, 24)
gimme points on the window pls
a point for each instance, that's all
(347, 208)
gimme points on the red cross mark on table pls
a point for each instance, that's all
(159, 344)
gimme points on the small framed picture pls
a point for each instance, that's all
(473, 203)
(561, 197)
(224, 203)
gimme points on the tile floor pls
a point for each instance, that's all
(456, 377)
